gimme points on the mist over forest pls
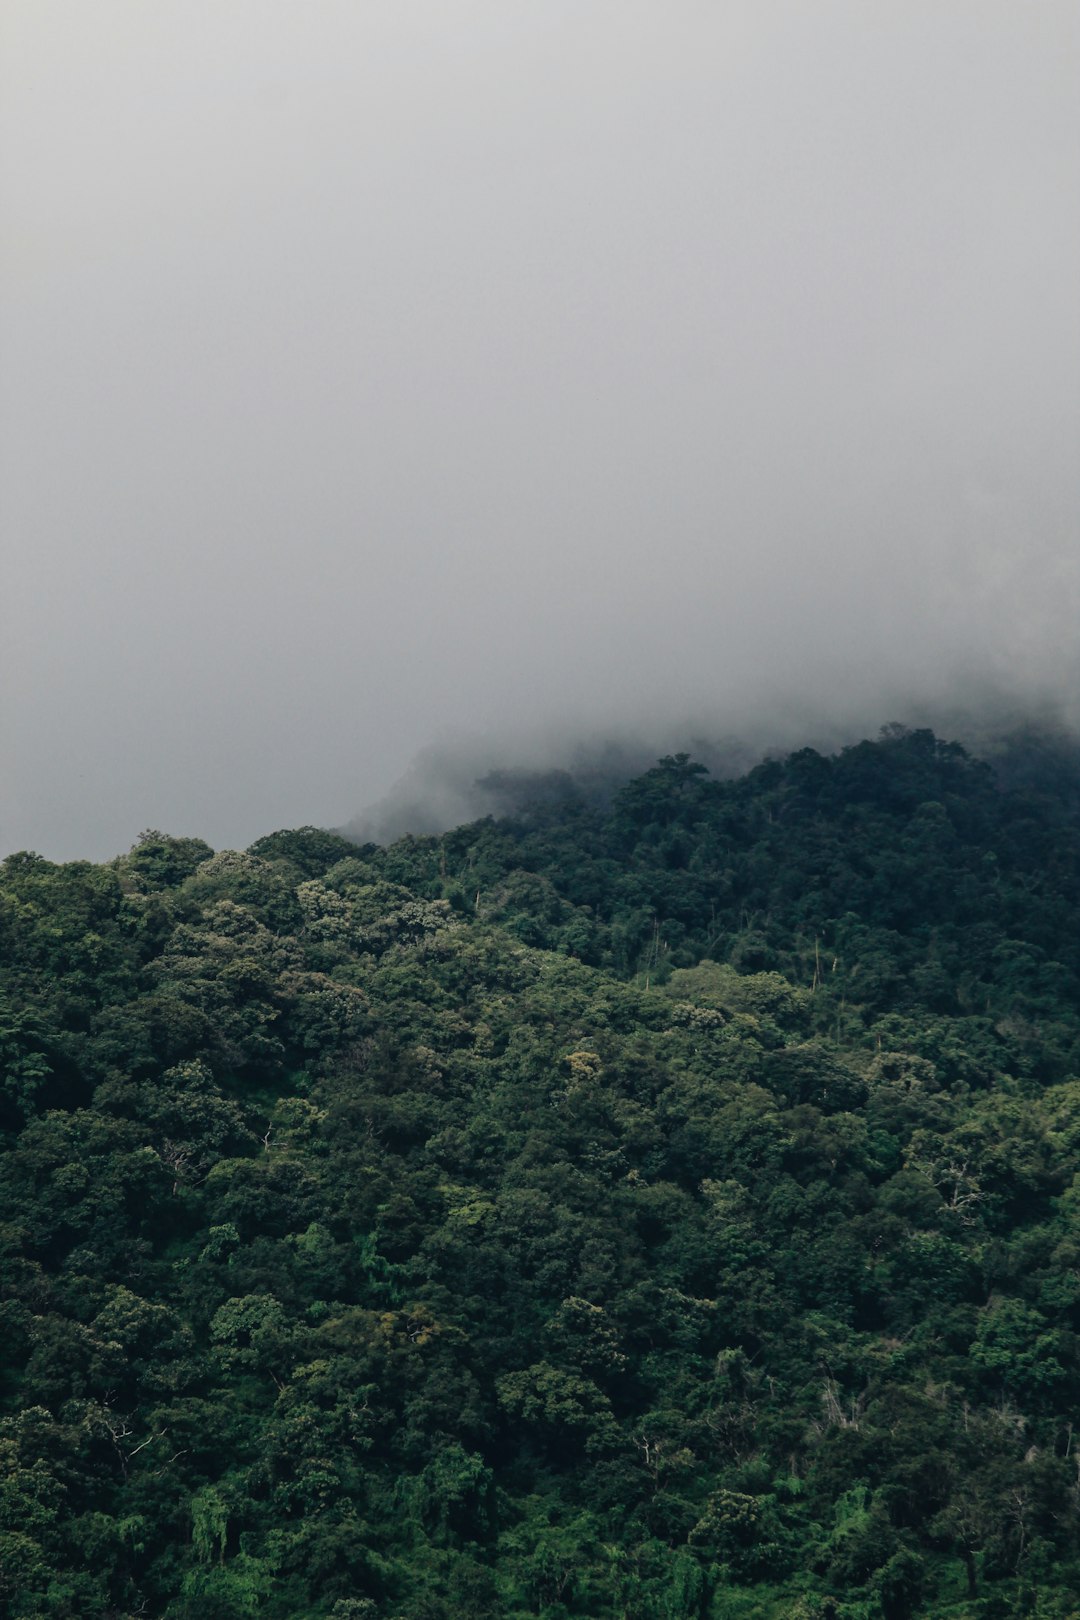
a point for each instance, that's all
(380, 377)
(472, 777)
(539, 810)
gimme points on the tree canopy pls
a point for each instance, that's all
(662, 1208)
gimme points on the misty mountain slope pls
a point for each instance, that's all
(663, 1210)
(897, 875)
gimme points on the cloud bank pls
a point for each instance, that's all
(376, 376)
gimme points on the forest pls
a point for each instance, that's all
(659, 1205)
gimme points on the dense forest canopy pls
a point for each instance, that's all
(658, 1208)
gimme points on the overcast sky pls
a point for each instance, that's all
(381, 371)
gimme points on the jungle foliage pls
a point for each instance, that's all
(659, 1209)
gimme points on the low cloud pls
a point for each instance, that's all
(517, 382)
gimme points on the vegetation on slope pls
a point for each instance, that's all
(660, 1210)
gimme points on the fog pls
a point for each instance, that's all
(502, 378)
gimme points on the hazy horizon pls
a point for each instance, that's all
(379, 381)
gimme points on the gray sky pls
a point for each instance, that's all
(379, 371)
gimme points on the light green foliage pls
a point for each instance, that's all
(209, 1525)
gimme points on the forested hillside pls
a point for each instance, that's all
(659, 1209)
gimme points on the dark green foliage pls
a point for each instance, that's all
(661, 1209)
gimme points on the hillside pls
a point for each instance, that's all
(657, 1208)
